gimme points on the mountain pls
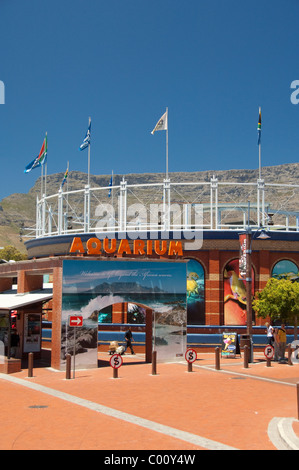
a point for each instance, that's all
(19, 210)
(124, 288)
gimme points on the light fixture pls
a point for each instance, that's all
(263, 235)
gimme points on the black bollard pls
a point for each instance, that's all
(217, 358)
(30, 364)
(290, 355)
(268, 362)
(154, 363)
(246, 356)
(68, 366)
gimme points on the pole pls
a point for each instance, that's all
(67, 190)
(246, 354)
(260, 159)
(154, 362)
(217, 358)
(74, 353)
(248, 284)
(41, 183)
(167, 145)
(9, 335)
(68, 367)
(46, 178)
(30, 364)
(248, 276)
(112, 190)
(89, 155)
(260, 162)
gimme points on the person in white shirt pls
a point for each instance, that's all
(270, 338)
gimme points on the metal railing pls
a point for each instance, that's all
(209, 205)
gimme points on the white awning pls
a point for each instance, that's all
(15, 301)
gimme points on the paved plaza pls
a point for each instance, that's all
(234, 408)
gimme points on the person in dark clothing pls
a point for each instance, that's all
(129, 339)
(14, 343)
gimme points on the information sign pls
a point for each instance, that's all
(230, 345)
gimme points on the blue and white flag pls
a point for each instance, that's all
(34, 164)
(110, 184)
(86, 140)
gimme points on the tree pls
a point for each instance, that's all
(279, 300)
(9, 253)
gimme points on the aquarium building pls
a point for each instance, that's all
(164, 258)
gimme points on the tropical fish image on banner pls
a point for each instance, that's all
(235, 295)
(195, 293)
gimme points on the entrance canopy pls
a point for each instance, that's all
(15, 301)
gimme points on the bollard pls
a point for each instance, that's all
(189, 366)
(154, 363)
(30, 364)
(217, 358)
(297, 386)
(115, 373)
(68, 366)
(268, 362)
(246, 356)
(290, 355)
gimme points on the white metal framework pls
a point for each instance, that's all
(169, 206)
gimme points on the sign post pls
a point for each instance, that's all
(269, 354)
(75, 321)
(116, 361)
(190, 356)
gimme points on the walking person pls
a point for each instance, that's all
(14, 343)
(129, 339)
(270, 339)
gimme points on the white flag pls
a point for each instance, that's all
(161, 124)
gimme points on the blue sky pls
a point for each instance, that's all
(123, 62)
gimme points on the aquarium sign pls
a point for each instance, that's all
(95, 246)
(243, 256)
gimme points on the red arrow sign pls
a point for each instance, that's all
(76, 320)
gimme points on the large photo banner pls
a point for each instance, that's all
(89, 286)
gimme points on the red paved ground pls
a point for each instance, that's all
(231, 406)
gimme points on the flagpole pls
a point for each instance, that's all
(46, 162)
(41, 181)
(46, 178)
(67, 188)
(167, 145)
(112, 188)
(89, 155)
(260, 153)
